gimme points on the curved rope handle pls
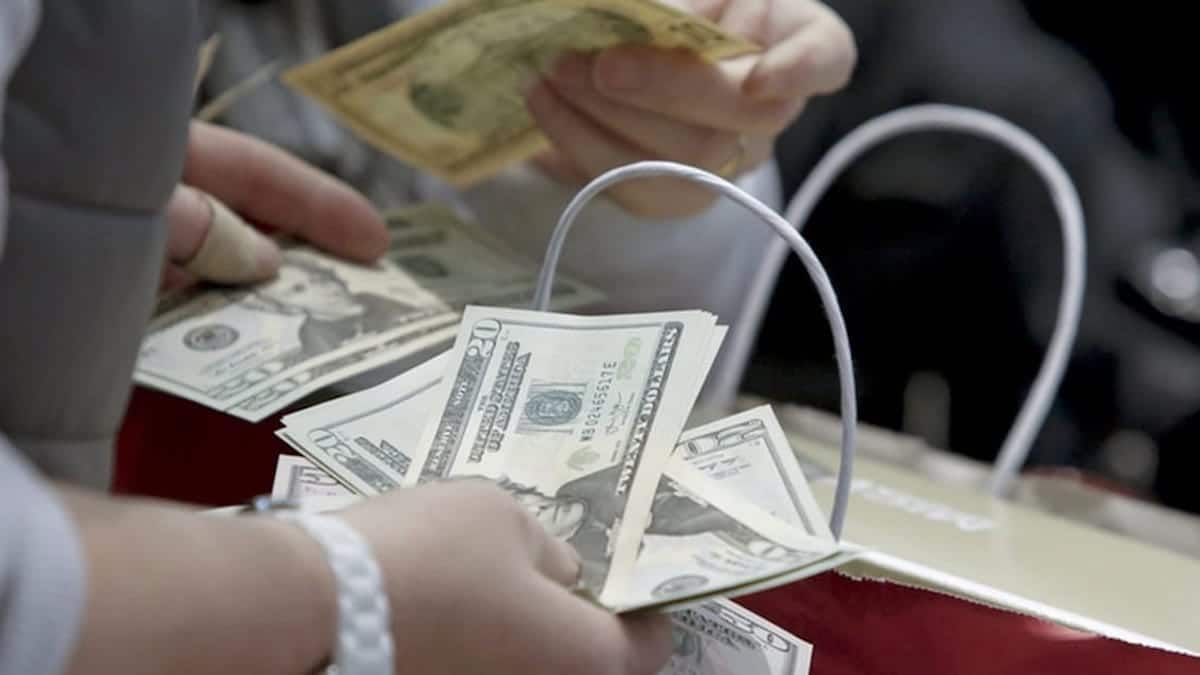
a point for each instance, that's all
(931, 117)
(790, 234)
(936, 117)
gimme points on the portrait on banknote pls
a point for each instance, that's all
(580, 512)
(331, 314)
(252, 350)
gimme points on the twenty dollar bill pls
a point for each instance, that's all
(560, 408)
(719, 637)
(251, 351)
(443, 89)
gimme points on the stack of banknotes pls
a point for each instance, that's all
(711, 637)
(581, 420)
(253, 351)
(421, 368)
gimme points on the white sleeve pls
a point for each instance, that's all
(41, 564)
(41, 573)
(724, 260)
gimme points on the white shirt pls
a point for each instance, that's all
(724, 261)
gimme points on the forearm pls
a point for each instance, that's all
(173, 591)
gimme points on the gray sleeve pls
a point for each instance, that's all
(41, 564)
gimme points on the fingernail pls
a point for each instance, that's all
(267, 256)
(622, 71)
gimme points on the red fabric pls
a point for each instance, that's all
(175, 449)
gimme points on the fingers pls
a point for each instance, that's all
(680, 85)
(188, 217)
(592, 150)
(807, 63)
(207, 241)
(657, 135)
(559, 561)
(588, 639)
(269, 186)
(651, 633)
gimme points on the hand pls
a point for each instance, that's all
(270, 188)
(634, 103)
(476, 585)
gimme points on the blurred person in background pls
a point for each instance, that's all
(600, 112)
(946, 251)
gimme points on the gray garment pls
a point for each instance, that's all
(95, 131)
(41, 569)
(95, 110)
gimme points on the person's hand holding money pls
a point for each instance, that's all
(477, 585)
(635, 103)
(229, 179)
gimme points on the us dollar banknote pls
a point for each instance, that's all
(461, 263)
(297, 478)
(575, 416)
(443, 90)
(702, 541)
(719, 637)
(251, 351)
(367, 439)
(704, 537)
(749, 455)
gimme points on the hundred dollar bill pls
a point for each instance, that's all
(718, 637)
(749, 455)
(296, 478)
(366, 440)
(702, 541)
(583, 409)
(251, 351)
(443, 89)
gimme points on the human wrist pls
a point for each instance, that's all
(364, 644)
(316, 588)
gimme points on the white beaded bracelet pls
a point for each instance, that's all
(364, 638)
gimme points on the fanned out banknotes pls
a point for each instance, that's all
(252, 351)
(443, 90)
(712, 637)
(581, 420)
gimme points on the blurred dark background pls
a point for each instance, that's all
(946, 252)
